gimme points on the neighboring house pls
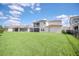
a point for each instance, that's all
(38, 26)
(74, 23)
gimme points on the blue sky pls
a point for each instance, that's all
(27, 13)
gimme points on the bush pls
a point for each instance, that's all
(63, 31)
(1, 29)
(69, 31)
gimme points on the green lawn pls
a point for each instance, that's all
(38, 44)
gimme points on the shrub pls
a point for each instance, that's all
(69, 31)
(63, 31)
(1, 29)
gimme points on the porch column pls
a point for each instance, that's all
(40, 29)
(28, 30)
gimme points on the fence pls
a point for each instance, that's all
(76, 33)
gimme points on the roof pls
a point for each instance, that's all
(55, 21)
(47, 21)
(39, 21)
(74, 17)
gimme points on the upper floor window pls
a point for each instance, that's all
(36, 24)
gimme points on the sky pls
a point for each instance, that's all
(26, 13)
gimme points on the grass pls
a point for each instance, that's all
(38, 44)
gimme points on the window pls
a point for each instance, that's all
(42, 29)
(36, 24)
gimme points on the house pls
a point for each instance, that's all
(37, 26)
(47, 26)
(54, 26)
(74, 23)
(73, 26)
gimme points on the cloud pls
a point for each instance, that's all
(14, 12)
(12, 23)
(31, 12)
(1, 13)
(21, 6)
(25, 4)
(73, 15)
(16, 7)
(34, 7)
(2, 16)
(14, 18)
(15, 15)
(37, 4)
(64, 18)
(38, 9)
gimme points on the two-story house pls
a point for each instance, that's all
(74, 23)
(47, 26)
(39, 26)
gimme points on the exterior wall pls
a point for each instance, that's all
(54, 28)
(19, 30)
(40, 25)
(78, 26)
(55, 22)
(28, 30)
(10, 30)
